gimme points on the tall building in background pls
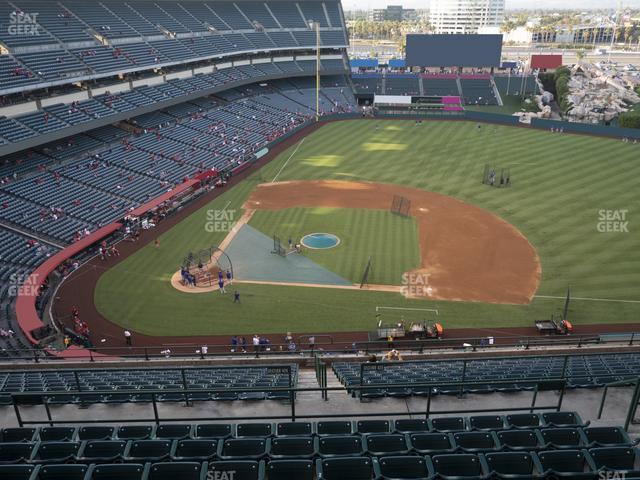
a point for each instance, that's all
(466, 16)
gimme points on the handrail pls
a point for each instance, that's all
(40, 397)
(431, 345)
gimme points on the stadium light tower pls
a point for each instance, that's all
(313, 25)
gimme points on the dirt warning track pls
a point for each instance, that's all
(467, 253)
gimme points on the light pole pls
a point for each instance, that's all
(316, 26)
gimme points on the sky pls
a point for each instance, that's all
(541, 4)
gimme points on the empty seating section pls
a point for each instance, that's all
(71, 34)
(134, 385)
(477, 91)
(61, 116)
(367, 84)
(440, 86)
(302, 450)
(515, 374)
(402, 85)
(515, 84)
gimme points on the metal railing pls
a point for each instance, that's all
(40, 398)
(331, 347)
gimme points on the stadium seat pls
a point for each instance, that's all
(56, 452)
(410, 425)
(606, 436)
(447, 424)
(475, 441)
(486, 422)
(339, 445)
(141, 451)
(173, 431)
(290, 470)
(563, 437)
(125, 471)
(17, 472)
(520, 439)
(243, 469)
(135, 432)
(16, 452)
(178, 470)
(213, 430)
(334, 428)
(615, 459)
(292, 447)
(372, 426)
(431, 443)
(194, 450)
(513, 464)
(60, 434)
(254, 429)
(523, 420)
(386, 444)
(566, 463)
(102, 451)
(353, 468)
(404, 467)
(563, 419)
(18, 434)
(242, 448)
(62, 472)
(294, 428)
(457, 466)
(96, 433)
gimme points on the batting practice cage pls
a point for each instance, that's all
(278, 249)
(401, 206)
(205, 265)
(496, 176)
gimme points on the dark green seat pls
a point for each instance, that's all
(242, 448)
(194, 450)
(19, 452)
(148, 451)
(334, 427)
(292, 447)
(96, 432)
(566, 463)
(486, 422)
(56, 452)
(404, 467)
(475, 441)
(57, 434)
(119, 471)
(614, 459)
(407, 425)
(243, 469)
(519, 439)
(340, 445)
(606, 436)
(352, 468)
(17, 472)
(12, 435)
(462, 465)
(373, 426)
(254, 429)
(62, 472)
(294, 428)
(388, 444)
(562, 419)
(562, 437)
(523, 420)
(512, 464)
(213, 430)
(178, 471)
(102, 451)
(290, 470)
(447, 424)
(431, 443)
(173, 431)
(135, 432)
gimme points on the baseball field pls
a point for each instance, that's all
(572, 211)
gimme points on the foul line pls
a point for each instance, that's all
(285, 163)
(590, 299)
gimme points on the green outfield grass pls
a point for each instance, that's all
(560, 185)
(389, 239)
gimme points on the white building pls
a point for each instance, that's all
(465, 16)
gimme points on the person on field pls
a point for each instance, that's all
(221, 286)
(157, 243)
(127, 337)
(229, 277)
(236, 297)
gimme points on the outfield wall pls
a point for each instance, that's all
(586, 128)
